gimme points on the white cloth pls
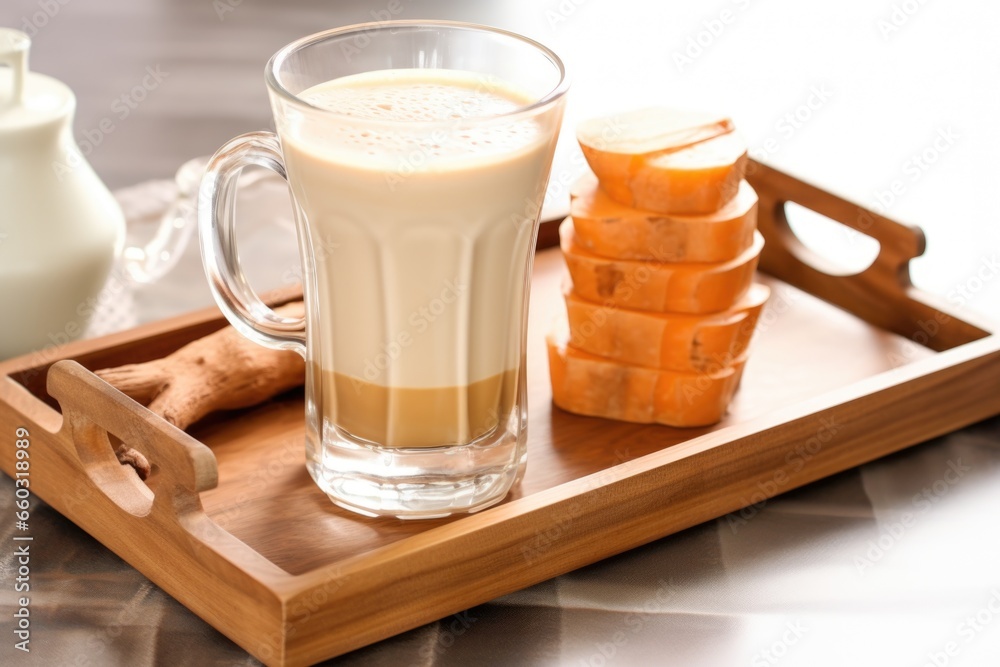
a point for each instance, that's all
(267, 246)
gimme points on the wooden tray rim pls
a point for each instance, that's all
(599, 487)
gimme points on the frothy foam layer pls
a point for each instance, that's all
(443, 100)
(408, 95)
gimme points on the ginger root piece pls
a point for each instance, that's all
(222, 371)
(132, 457)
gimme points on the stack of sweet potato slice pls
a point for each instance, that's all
(661, 248)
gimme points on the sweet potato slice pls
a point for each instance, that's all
(614, 230)
(693, 180)
(695, 288)
(650, 131)
(589, 385)
(669, 341)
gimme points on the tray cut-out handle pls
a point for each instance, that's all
(182, 466)
(886, 280)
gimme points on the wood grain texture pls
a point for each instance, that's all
(264, 556)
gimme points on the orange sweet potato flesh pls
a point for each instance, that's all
(669, 341)
(694, 180)
(695, 288)
(614, 230)
(589, 385)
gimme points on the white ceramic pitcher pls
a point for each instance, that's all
(61, 230)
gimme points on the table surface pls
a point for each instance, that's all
(892, 563)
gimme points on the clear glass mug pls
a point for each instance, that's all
(417, 230)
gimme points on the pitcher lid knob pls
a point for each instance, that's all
(14, 46)
(28, 99)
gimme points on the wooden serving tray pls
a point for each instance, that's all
(231, 525)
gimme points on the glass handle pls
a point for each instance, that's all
(216, 219)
